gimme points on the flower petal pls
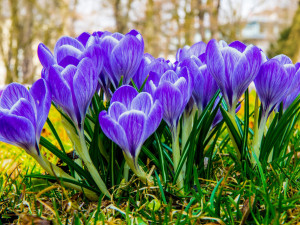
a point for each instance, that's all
(65, 40)
(142, 102)
(67, 54)
(113, 130)
(142, 71)
(17, 131)
(152, 83)
(107, 44)
(126, 57)
(272, 83)
(23, 108)
(85, 84)
(216, 64)
(83, 38)
(205, 88)
(245, 71)
(154, 118)
(12, 93)
(125, 94)
(45, 56)
(116, 109)
(61, 92)
(169, 76)
(134, 124)
(96, 55)
(171, 100)
(187, 92)
(42, 97)
(240, 46)
(197, 49)
(283, 59)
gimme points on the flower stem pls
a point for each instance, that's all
(187, 126)
(231, 116)
(258, 135)
(53, 170)
(84, 154)
(176, 155)
(134, 166)
(78, 140)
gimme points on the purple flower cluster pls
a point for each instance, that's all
(79, 67)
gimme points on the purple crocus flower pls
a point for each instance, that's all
(73, 88)
(233, 70)
(150, 64)
(122, 56)
(23, 114)
(273, 82)
(70, 51)
(195, 50)
(173, 90)
(205, 85)
(131, 118)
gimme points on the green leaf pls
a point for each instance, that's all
(161, 188)
(246, 126)
(48, 177)
(232, 129)
(52, 148)
(213, 194)
(161, 158)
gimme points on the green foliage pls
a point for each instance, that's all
(219, 184)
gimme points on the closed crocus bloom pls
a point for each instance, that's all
(143, 71)
(70, 51)
(174, 91)
(272, 85)
(150, 64)
(205, 85)
(290, 98)
(131, 118)
(232, 69)
(123, 55)
(23, 114)
(294, 89)
(273, 82)
(73, 88)
(195, 50)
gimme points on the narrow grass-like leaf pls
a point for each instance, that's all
(190, 146)
(55, 135)
(161, 158)
(52, 148)
(232, 129)
(52, 178)
(246, 126)
(213, 194)
(144, 83)
(161, 189)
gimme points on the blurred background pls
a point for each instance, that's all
(166, 25)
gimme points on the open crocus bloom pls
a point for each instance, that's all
(23, 114)
(131, 118)
(232, 69)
